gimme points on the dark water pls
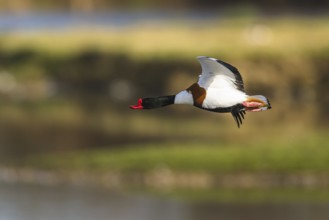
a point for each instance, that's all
(31, 202)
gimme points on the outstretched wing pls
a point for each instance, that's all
(218, 74)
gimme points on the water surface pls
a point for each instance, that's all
(33, 202)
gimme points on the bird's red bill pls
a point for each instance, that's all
(138, 106)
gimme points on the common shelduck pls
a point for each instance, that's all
(219, 89)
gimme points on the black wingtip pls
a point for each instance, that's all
(238, 115)
(236, 120)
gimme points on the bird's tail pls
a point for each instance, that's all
(156, 102)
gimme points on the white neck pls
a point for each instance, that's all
(184, 97)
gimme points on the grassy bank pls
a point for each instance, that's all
(303, 154)
(278, 169)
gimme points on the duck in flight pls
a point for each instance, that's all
(219, 89)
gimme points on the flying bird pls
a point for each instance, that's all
(219, 89)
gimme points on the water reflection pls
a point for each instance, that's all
(26, 202)
(31, 202)
(274, 211)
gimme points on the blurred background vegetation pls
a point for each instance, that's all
(69, 69)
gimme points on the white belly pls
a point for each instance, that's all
(216, 98)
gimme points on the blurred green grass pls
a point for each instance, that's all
(239, 37)
(304, 154)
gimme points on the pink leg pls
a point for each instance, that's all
(252, 104)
